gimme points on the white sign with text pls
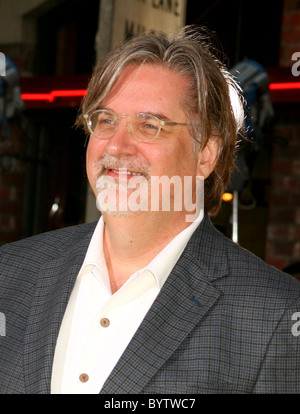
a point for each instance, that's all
(137, 16)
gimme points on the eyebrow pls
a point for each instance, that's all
(158, 115)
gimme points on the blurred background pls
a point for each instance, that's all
(48, 50)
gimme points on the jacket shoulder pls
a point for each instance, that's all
(232, 267)
(46, 245)
(257, 278)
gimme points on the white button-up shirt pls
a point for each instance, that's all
(98, 325)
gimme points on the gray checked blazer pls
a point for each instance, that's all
(222, 323)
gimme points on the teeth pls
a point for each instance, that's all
(125, 172)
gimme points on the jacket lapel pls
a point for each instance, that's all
(186, 297)
(54, 285)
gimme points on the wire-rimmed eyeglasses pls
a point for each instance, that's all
(103, 123)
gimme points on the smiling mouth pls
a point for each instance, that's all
(123, 172)
(124, 167)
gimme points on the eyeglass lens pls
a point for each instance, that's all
(104, 123)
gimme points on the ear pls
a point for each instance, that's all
(208, 157)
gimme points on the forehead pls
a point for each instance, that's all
(140, 88)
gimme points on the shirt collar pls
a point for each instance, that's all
(162, 264)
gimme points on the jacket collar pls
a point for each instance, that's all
(208, 250)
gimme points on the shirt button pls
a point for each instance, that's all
(104, 322)
(83, 377)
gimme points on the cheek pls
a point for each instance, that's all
(89, 159)
(90, 172)
(162, 161)
(175, 157)
(93, 153)
(183, 159)
(95, 149)
(95, 146)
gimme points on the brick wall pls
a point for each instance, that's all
(12, 151)
(290, 32)
(283, 233)
(12, 184)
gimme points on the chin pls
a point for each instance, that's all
(116, 213)
(119, 208)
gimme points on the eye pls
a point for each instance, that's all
(105, 119)
(147, 123)
(149, 126)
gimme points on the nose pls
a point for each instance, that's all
(122, 142)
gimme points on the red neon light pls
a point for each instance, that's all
(81, 92)
(284, 85)
(52, 95)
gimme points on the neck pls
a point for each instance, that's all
(131, 242)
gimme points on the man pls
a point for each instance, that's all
(146, 301)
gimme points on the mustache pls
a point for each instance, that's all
(127, 162)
